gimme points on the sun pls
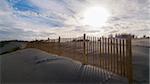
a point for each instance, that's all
(95, 16)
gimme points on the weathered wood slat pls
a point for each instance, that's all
(112, 54)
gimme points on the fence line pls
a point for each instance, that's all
(112, 54)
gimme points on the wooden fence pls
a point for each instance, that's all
(112, 54)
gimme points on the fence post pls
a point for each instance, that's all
(129, 63)
(84, 50)
(59, 39)
(59, 46)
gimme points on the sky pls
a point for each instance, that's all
(40, 19)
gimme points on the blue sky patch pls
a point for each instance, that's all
(22, 5)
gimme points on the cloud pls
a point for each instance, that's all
(30, 19)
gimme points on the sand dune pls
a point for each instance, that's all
(11, 46)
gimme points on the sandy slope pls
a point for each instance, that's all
(141, 64)
(10, 46)
(31, 66)
(141, 42)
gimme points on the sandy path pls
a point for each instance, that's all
(30, 66)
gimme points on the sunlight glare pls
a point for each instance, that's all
(95, 16)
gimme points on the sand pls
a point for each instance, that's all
(35, 66)
(30, 66)
(141, 64)
(12, 46)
